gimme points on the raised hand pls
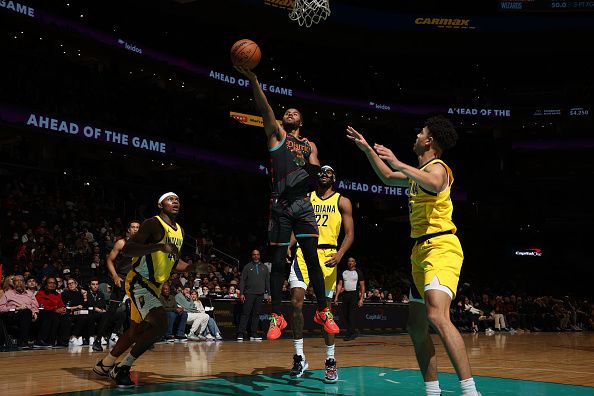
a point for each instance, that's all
(246, 72)
(356, 137)
(387, 155)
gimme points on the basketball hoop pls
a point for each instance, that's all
(308, 12)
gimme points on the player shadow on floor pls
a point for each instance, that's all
(141, 378)
(261, 378)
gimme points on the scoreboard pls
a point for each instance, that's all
(545, 6)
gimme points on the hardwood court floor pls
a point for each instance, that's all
(546, 363)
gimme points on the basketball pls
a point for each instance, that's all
(245, 53)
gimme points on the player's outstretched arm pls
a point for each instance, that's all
(271, 127)
(387, 175)
(433, 177)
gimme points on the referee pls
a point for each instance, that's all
(352, 284)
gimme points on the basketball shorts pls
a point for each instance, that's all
(300, 278)
(143, 296)
(436, 264)
(117, 293)
(295, 216)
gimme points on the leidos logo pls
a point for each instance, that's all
(130, 47)
(448, 23)
(379, 106)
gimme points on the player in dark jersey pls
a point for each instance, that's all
(118, 266)
(292, 160)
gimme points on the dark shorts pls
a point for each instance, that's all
(295, 216)
(117, 293)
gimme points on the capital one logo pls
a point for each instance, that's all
(534, 252)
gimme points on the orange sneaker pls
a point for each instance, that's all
(326, 319)
(277, 324)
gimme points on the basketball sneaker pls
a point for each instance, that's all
(97, 345)
(331, 373)
(101, 369)
(277, 324)
(326, 319)
(121, 376)
(299, 366)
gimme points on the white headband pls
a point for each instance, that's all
(162, 197)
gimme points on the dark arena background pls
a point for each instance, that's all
(106, 105)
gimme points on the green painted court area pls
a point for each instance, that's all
(354, 381)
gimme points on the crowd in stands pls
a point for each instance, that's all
(493, 313)
(54, 240)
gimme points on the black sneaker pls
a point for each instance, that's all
(42, 344)
(240, 337)
(97, 345)
(299, 366)
(121, 376)
(331, 373)
(101, 369)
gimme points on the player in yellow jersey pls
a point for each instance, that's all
(331, 210)
(437, 255)
(155, 248)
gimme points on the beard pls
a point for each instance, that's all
(290, 126)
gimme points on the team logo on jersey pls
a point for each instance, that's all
(300, 151)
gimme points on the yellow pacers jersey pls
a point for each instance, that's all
(430, 212)
(328, 218)
(156, 267)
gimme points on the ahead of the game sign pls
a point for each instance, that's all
(57, 127)
(372, 188)
(95, 133)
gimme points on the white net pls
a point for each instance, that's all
(308, 12)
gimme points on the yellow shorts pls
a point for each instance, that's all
(439, 257)
(143, 296)
(300, 278)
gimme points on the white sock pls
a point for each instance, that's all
(128, 360)
(299, 347)
(330, 351)
(468, 387)
(109, 360)
(432, 388)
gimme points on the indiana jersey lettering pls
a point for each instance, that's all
(156, 267)
(430, 212)
(328, 218)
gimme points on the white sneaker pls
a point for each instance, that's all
(91, 341)
(257, 338)
(113, 339)
(103, 341)
(219, 337)
(209, 337)
(77, 341)
(71, 341)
